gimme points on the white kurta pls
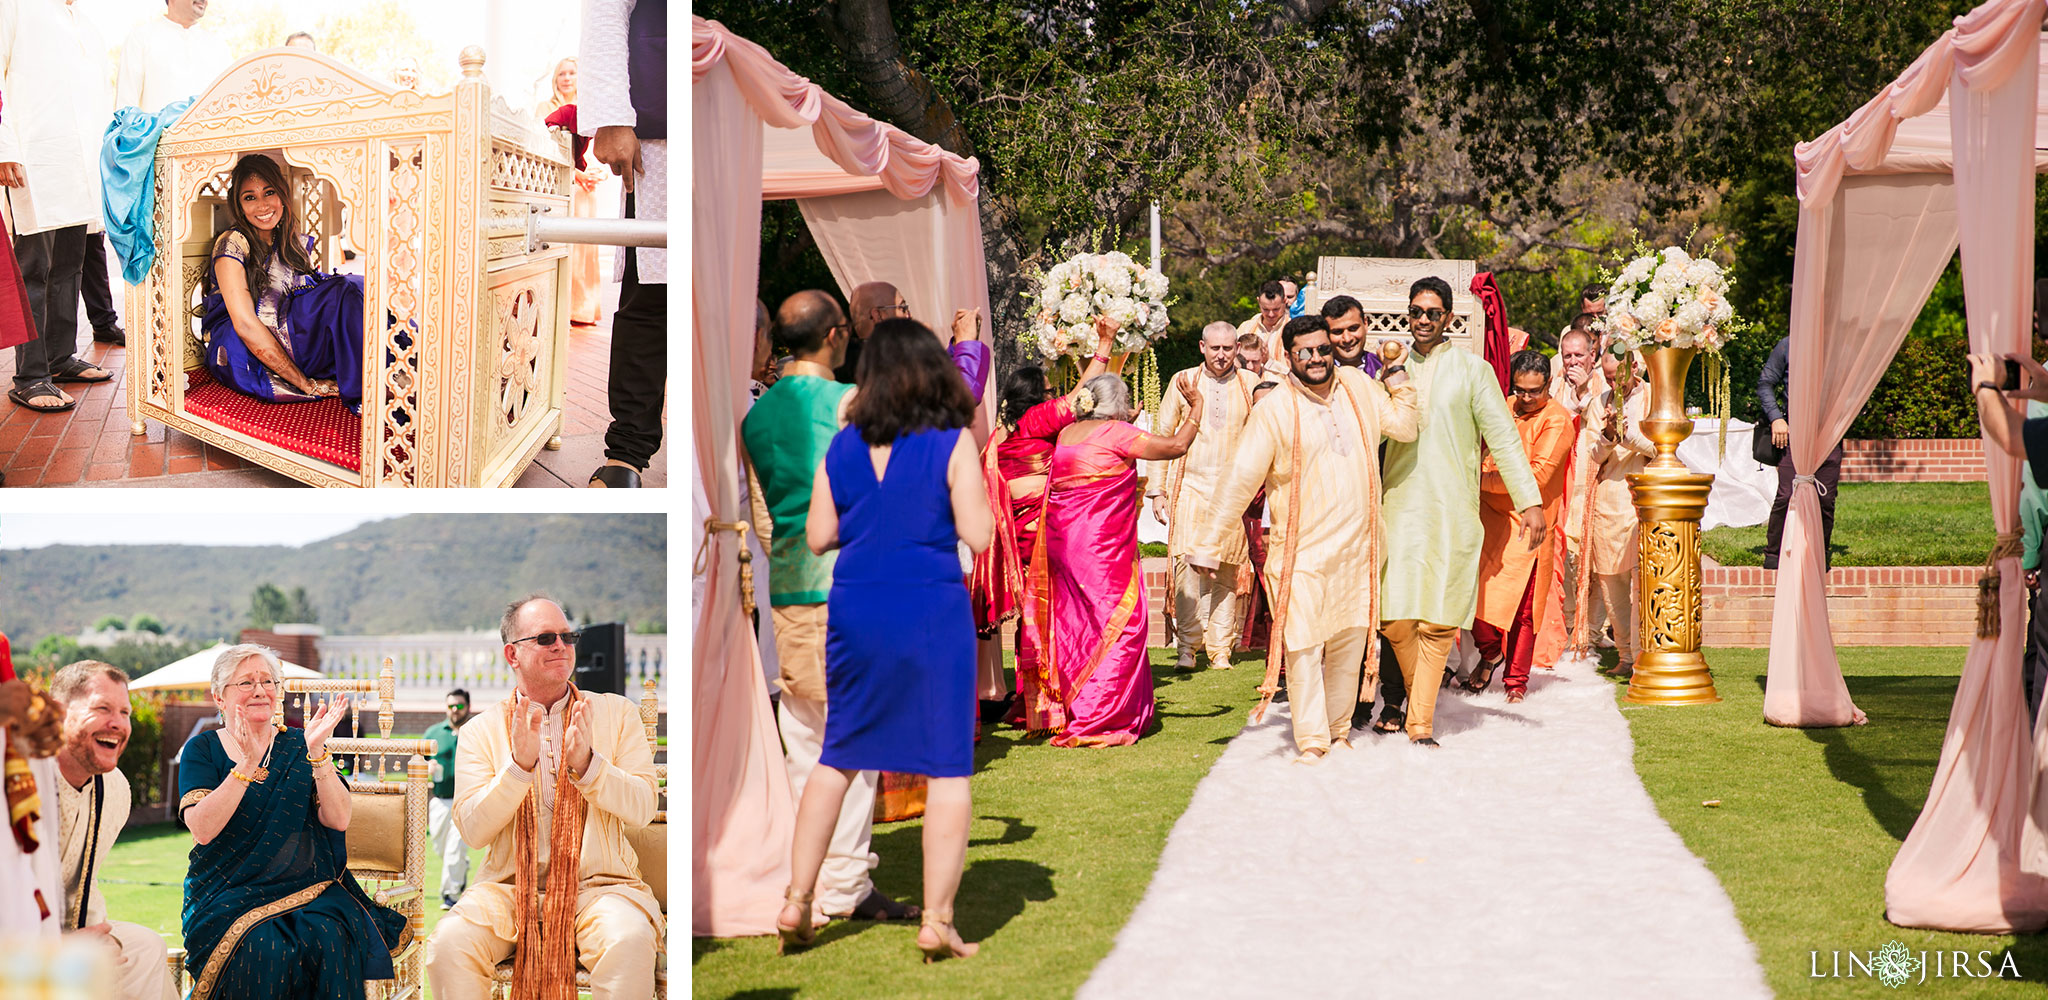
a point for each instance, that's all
(1612, 527)
(53, 80)
(163, 61)
(1336, 488)
(1189, 482)
(603, 98)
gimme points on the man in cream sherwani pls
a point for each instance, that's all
(169, 58)
(1204, 606)
(514, 753)
(1314, 445)
(93, 800)
(53, 79)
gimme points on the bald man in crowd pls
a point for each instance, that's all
(876, 301)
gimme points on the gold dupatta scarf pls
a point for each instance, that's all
(545, 967)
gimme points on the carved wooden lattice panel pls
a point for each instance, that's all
(164, 322)
(521, 312)
(518, 170)
(400, 390)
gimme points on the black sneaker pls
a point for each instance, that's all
(110, 335)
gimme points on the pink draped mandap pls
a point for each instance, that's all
(883, 205)
(1942, 158)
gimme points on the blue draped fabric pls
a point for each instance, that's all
(128, 178)
(322, 320)
(311, 933)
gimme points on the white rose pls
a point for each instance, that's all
(1123, 309)
(1683, 341)
(1678, 255)
(1076, 307)
(1120, 259)
(1051, 296)
(1115, 280)
(1692, 317)
(1152, 285)
(1652, 307)
(1723, 312)
(1156, 324)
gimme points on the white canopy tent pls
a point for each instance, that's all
(194, 674)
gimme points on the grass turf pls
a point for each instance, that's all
(1810, 820)
(1063, 844)
(1886, 524)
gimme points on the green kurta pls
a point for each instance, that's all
(1431, 510)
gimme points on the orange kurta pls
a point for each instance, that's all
(1505, 560)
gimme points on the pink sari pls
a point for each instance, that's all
(1086, 558)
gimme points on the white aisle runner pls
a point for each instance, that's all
(1521, 859)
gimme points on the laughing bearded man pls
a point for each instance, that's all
(93, 801)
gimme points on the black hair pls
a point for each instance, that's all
(1339, 305)
(907, 384)
(1271, 290)
(457, 693)
(1300, 325)
(1022, 390)
(1592, 293)
(1528, 363)
(1431, 283)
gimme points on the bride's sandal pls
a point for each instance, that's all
(796, 938)
(940, 923)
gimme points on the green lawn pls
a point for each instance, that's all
(1886, 524)
(1810, 820)
(1063, 845)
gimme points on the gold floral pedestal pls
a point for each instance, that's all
(1669, 502)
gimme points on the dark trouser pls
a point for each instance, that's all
(639, 367)
(1393, 693)
(1829, 475)
(2034, 667)
(50, 264)
(1517, 645)
(97, 290)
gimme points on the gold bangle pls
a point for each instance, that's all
(324, 757)
(237, 774)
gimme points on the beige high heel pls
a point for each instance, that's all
(941, 921)
(796, 938)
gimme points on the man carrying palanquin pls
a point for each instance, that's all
(1514, 578)
(1204, 606)
(1430, 587)
(1313, 445)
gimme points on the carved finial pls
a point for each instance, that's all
(472, 61)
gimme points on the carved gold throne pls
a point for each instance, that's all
(464, 346)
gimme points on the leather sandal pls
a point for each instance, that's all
(616, 477)
(39, 388)
(1481, 677)
(1391, 722)
(875, 906)
(73, 369)
(789, 939)
(941, 922)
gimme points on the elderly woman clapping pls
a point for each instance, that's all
(267, 812)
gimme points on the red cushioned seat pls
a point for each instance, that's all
(322, 429)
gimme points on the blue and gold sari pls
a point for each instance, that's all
(271, 910)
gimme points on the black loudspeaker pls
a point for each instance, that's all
(601, 658)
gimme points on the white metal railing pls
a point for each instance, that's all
(428, 664)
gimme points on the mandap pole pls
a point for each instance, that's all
(1670, 500)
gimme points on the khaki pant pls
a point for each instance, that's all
(614, 940)
(1421, 649)
(843, 881)
(142, 970)
(1612, 599)
(1205, 611)
(800, 648)
(1320, 680)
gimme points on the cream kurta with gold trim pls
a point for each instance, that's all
(1190, 481)
(619, 791)
(1613, 525)
(1336, 558)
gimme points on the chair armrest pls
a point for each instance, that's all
(394, 895)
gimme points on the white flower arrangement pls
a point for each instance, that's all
(1081, 288)
(1669, 298)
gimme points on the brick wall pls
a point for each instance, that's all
(302, 649)
(1949, 460)
(1867, 606)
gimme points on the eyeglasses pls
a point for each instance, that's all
(1417, 312)
(1530, 393)
(247, 686)
(1305, 353)
(549, 638)
(896, 310)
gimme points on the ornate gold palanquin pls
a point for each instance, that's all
(650, 845)
(387, 832)
(464, 351)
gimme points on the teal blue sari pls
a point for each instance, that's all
(271, 911)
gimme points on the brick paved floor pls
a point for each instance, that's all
(90, 445)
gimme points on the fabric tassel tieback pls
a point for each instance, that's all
(544, 967)
(2007, 547)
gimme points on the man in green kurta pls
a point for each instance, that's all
(1430, 589)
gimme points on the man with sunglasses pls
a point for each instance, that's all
(783, 440)
(1514, 579)
(524, 772)
(441, 807)
(1312, 445)
(1430, 589)
(1204, 606)
(876, 301)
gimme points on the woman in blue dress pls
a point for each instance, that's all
(276, 328)
(900, 488)
(271, 911)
